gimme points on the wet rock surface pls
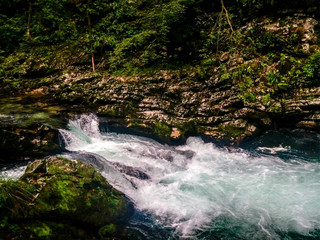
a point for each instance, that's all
(28, 128)
(176, 108)
(18, 144)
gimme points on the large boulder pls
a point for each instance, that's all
(58, 198)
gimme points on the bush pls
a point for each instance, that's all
(311, 70)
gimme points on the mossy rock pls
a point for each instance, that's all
(231, 129)
(75, 190)
(70, 193)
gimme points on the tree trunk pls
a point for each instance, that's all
(227, 15)
(29, 20)
(90, 41)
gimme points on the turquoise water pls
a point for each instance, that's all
(269, 189)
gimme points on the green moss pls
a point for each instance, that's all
(107, 230)
(62, 189)
(230, 130)
(162, 129)
(188, 128)
(133, 122)
(66, 195)
(112, 112)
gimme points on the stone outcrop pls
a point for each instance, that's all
(210, 107)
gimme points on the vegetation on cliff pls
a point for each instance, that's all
(126, 36)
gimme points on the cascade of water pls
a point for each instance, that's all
(201, 191)
(200, 187)
(13, 172)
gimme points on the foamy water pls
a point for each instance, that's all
(202, 191)
(13, 172)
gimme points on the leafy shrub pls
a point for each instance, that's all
(273, 78)
(311, 70)
(265, 41)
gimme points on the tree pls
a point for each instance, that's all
(86, 8)
(29, 19)
(90, 39)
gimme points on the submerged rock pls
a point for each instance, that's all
(62, 199)
(131, 171)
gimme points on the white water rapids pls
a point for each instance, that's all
(197, 187)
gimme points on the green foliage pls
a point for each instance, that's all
(252, 2)
(41, 230)
(132, 37)
(290, 73)
(129, 35)
(107, 230)
(147, 42)
(129, 46)
(14, 197)
(248, 96)
(11, 31)
(264, 41)
(277, 82)
(245, 75)
(266, 99)
(311, 70)
(215, 34)
(273, 78)
(14, 201)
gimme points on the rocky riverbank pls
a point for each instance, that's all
(241, 97)
(267, 80)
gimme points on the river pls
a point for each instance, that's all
(266, 189)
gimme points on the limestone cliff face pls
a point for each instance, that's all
(209, 107)
(212, 107)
